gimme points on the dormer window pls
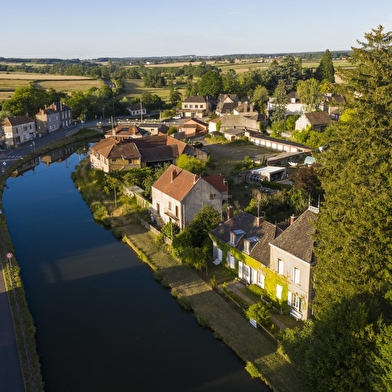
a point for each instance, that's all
(249, 244)
(235, 236)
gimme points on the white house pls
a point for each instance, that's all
(18, 130)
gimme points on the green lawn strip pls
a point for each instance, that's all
(209, 307)
(213, 311)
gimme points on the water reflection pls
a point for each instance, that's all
(103, 322)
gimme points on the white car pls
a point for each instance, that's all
(177, 117)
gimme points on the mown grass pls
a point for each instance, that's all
(256, 350)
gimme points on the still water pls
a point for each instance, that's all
(103, 322)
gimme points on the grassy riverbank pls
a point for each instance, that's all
(23, 322)
(257, 350)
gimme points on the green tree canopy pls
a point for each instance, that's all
(325, 71)
(26, 100)
(309, 93)
(279, 111)
(211, 84)
(353, 276)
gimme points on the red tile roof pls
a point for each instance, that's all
(176, 182)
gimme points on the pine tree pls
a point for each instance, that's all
(325, 71)
(354, 229)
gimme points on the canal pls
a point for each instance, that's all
(103, 322)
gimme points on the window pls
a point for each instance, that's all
(176, 211)
(294, 300)
(158, 208)
(246, 247)
(170, 206)
(246, 272)
(296, 275)
(232, 238)
(278, 291)
(280, 267)
(260, 279)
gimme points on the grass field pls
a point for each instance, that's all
(9, 82)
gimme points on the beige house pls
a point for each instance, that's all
(194, 106)
(18, 130)
(178, 195)
(194, 127)
(115, 153)
(280, 260)
(48, 120)
(318, 120)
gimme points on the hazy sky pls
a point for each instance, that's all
(88, 29)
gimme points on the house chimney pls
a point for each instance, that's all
(230, 212)
(259, 220)
(292, 219)
(195, 178)
(173, 175)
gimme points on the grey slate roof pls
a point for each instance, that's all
(297, 239)
(265, 231)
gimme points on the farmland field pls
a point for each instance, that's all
(68, 84)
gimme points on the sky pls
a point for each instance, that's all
(90, 29)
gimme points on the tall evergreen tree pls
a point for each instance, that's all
(279, 111)
(325, 71)
(354, 229)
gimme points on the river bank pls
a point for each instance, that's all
(23, 323)
(194, 293)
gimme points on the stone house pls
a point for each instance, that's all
(178, 195)
(65, 113)
(113, 154)
(280, 261)
(48, 120)
(18, 130)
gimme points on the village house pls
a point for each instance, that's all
(18, 130)
(194, 127)
(65, 113)
(178, 195)
(226, 103)
(112, 154)
(293, 104)
(126, 131)
(194, 106)
(317, 120)
(278, 260)
(137, 110)
(333, 104)
(48, 120)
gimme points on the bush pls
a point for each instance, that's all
(252, 369)
(260, 313)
